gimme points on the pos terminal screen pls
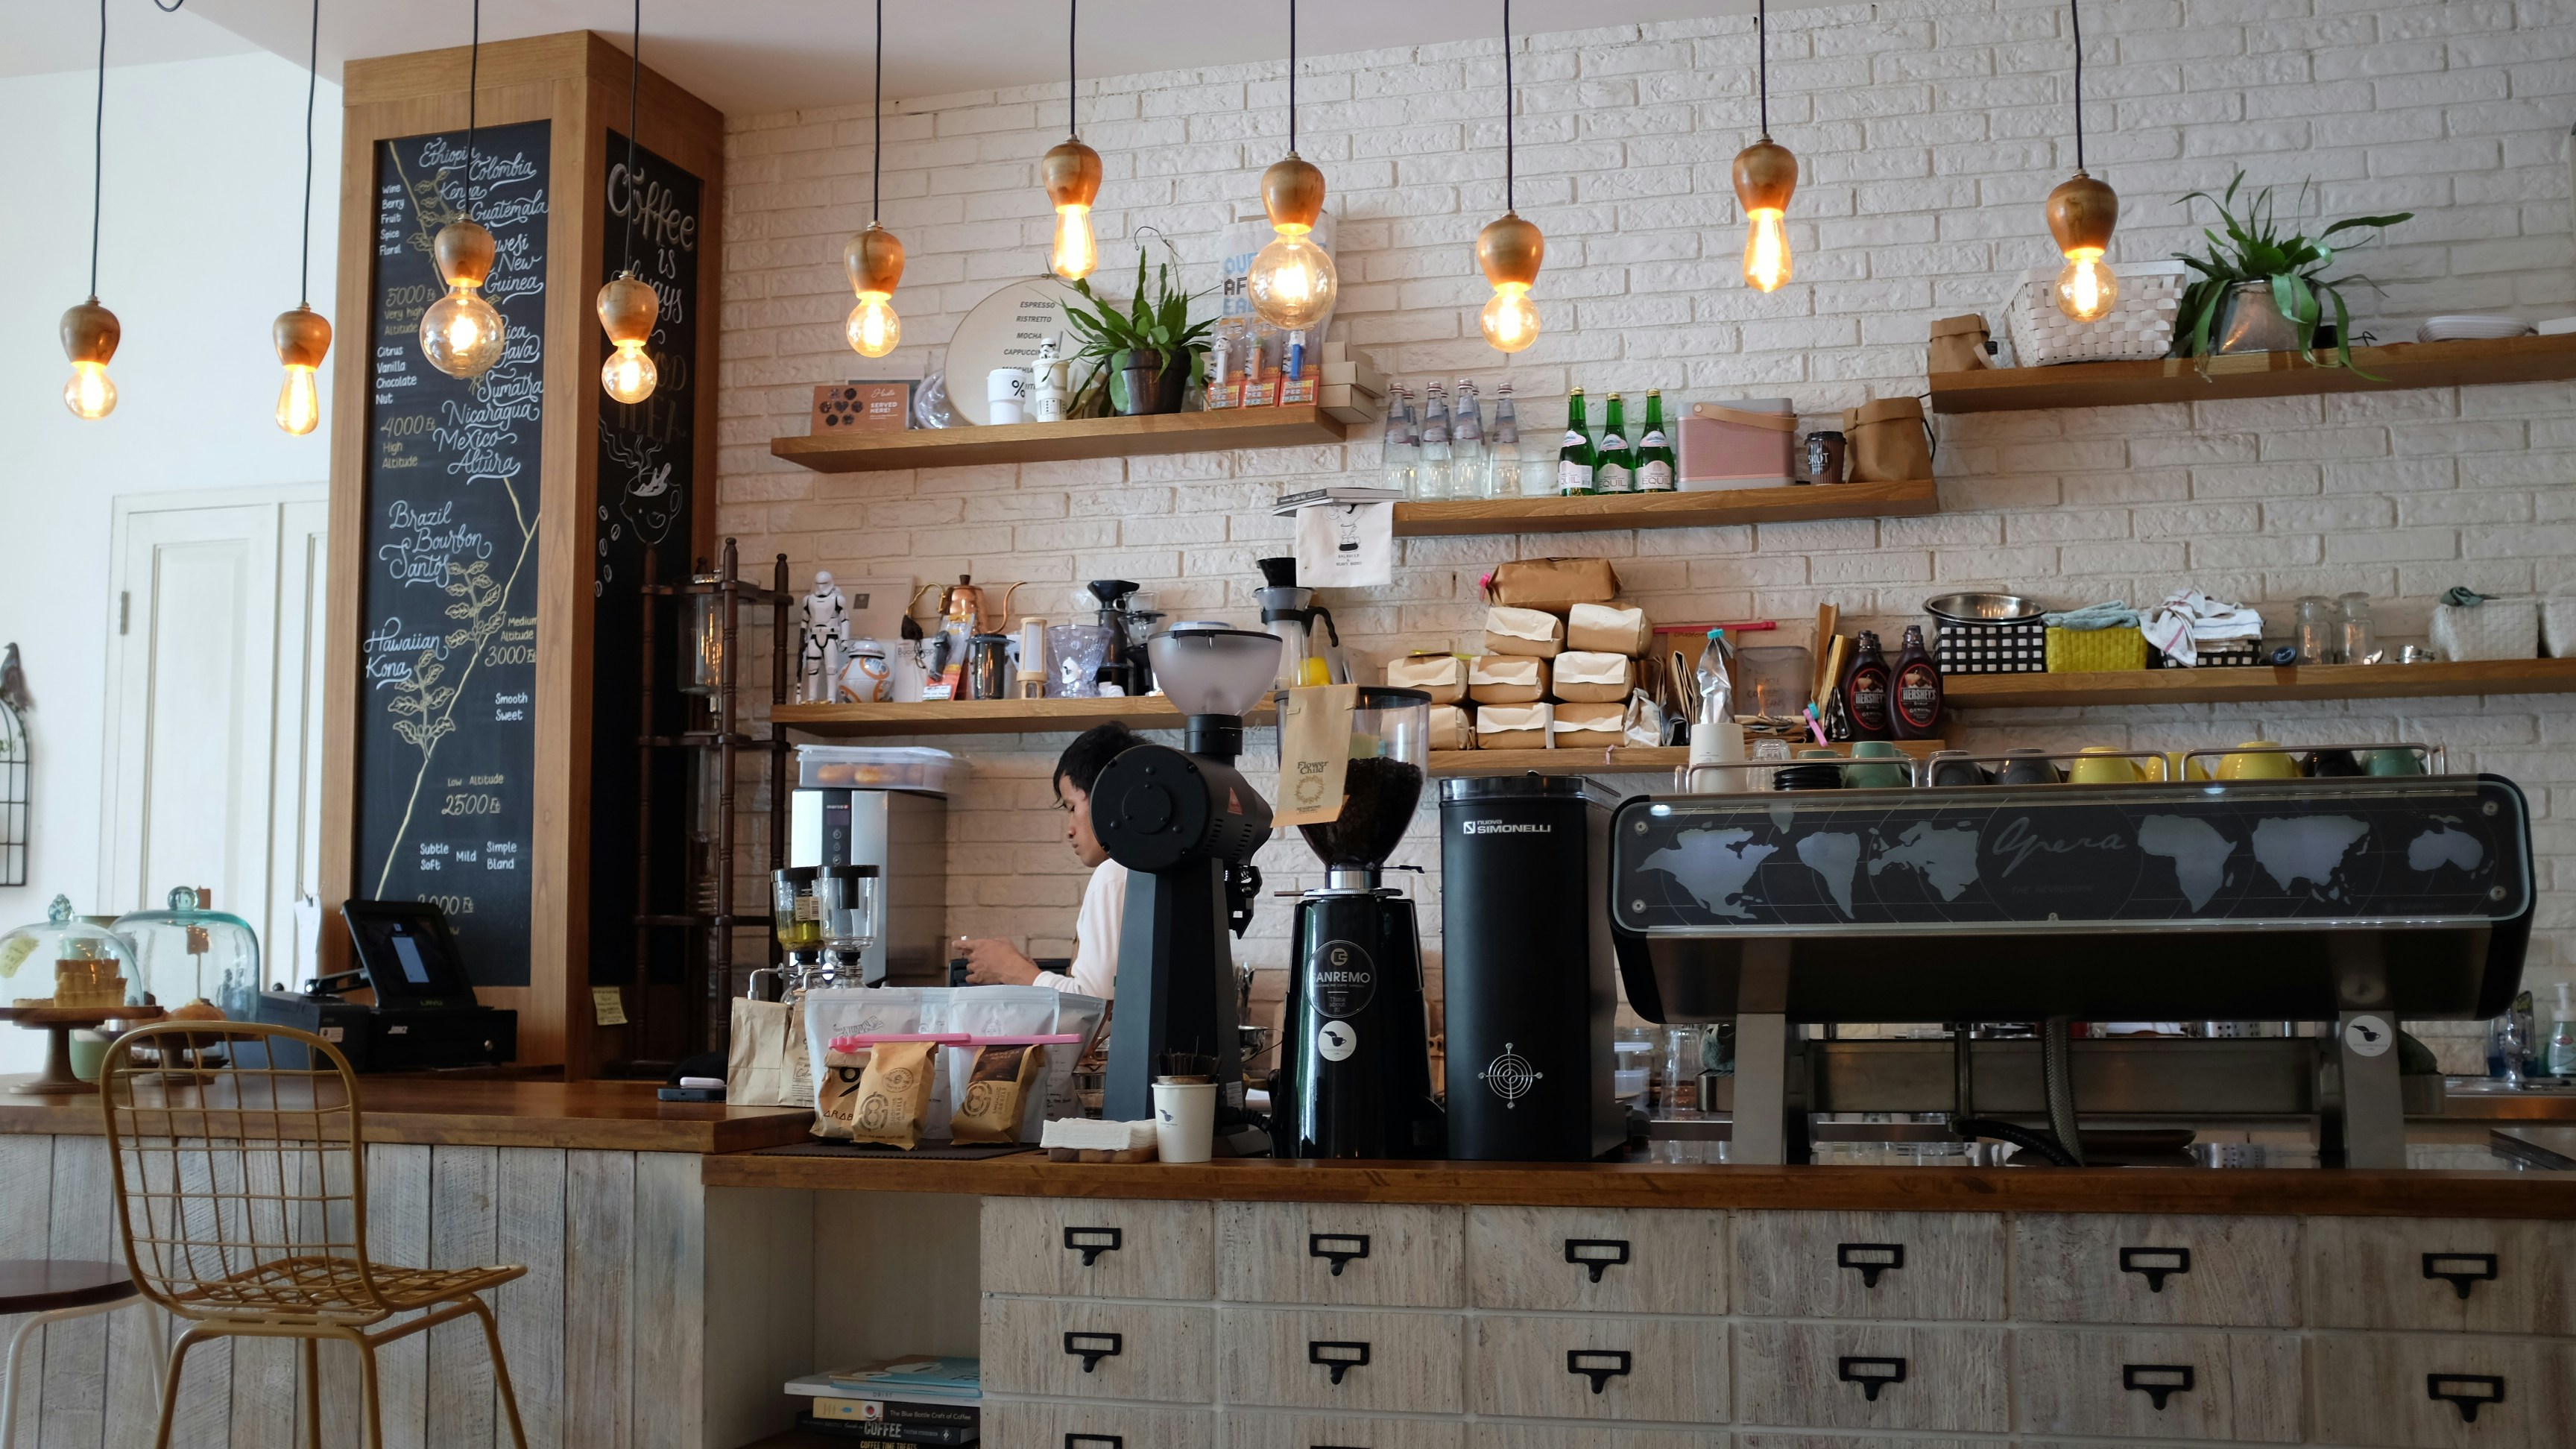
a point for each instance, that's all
(408, 952)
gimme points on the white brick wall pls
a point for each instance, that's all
(1928, 132)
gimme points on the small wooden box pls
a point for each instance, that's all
(861, 407)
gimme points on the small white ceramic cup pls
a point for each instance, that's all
(1184, 1120)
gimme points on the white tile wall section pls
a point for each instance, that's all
(1928, 131)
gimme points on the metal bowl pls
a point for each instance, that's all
(1983, 608)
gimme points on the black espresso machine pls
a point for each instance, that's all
(2346, 903)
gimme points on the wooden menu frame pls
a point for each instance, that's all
(577, 81)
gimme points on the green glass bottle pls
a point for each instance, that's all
(1614, 464)
(1574, 456)
(1655, 448)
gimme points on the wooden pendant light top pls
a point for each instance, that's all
(303, 337)
(2081, 214)
(874, 259)
(1765, 175)
(1511, 251)
(90, 332)
(464, 251)
(628, 307)
(1292, 191)
(1071, 172)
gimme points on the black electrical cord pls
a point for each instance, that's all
(1510, 110)
(2039, 1143)
(98, 153)
(1072, 22)
(876, 155)
(1762, 61)
(473, 94)
(2075, 21)
(312, 83)
(634, 96)
(1292, 77)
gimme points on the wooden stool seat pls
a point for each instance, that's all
(42, 1285)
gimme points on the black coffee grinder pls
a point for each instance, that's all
(1355, 1058)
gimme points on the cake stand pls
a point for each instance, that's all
(59, 1022)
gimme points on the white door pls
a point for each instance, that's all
(214, 707)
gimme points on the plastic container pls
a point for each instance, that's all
(865, 767)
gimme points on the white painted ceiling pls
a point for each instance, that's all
(751, 56)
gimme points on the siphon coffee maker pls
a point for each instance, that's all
(1292, 613)
(1355, 1059)
(849, 905)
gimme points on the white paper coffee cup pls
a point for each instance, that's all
(1185, 1120)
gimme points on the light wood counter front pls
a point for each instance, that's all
(488, 1112)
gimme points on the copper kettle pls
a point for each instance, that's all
(963, 603)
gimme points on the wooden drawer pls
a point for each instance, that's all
(1541, 1436)
(1597, 1260)
(1597, 1366)
(2378, 1389)
(1083, 1248)
(1940, 1266)
(1286, 1429)
(1068, 1348)
(1768, 1440)
(1818, 1375)
(2388, 1273)
(1058, 1424)
(2165, 1386)
(1360, 1255)
(1387, 1362)
(2232, 1272)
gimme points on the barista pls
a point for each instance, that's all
(1104, 900)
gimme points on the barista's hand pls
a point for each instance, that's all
(995, 963)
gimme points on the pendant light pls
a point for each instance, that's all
(1510, 249)
(90, 331)
(303, 336)
(874, 258)
(1071, 172)
(1292, 282)
(462, 334)
(1765, 174)
(628, 306)
(2081, 214)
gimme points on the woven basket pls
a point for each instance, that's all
(2091, 651)
(2140, 327)
(2496, 629)
(2015, 648)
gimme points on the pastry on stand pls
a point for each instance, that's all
(92, 970)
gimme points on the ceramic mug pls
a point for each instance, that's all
(2267, 766)
(2394, 762)
(1888, 775)
(1953, 767)
(2100, 765)
(2176, 768)
(2029, 767)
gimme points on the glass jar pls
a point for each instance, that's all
(94, 964)
(1389, 760)
(2319, 630)
(193, 955)
(700, 665)
(795, 910)
(2359, 641)
(850, 904)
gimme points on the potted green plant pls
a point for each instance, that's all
(1144, 356)
(2261, 289)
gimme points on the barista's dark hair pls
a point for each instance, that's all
(1090, 753)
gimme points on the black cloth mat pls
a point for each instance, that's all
(939, 1147)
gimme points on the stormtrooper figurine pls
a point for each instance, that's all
(826, 626)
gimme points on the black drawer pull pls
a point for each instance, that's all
(1092, 1242)
(2463, 1271)
(1091, 1348)
(2158, 1381)
(1596, 1254)
(2465, 1392)
(1341, 1248)
(1341, 1356)
(2155, 1264)
(1095, 1441)
(1598, 1365)
(1872, 1374)
(1871, 1259)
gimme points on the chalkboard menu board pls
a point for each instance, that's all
(647, 479)
(448, 607)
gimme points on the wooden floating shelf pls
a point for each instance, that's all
(982, 717)
(2254, 374)
(1619, 760)
(1667, 510)
(2261, 683)
(1054, 442)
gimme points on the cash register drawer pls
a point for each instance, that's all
(1084, 1248)
(1068, 1348)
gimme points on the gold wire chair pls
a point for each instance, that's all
(241, 1184)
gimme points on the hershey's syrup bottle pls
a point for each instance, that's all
(1914, 693)
(1866, 690)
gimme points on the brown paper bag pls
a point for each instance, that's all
(881, 1096)
(1586, 677)
(1442, 676)
(1553, 584)
(1608, 629)
(1510, 630)
(1958, 345)
(1314, 753)
(1451, 728)
(1889, 440)
(1507, 679)
(757, 1071)
(1577, 726)
(1513, 726)
(997, 1091)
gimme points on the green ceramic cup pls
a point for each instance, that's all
(1884, 776)
(2395, 762)
(89, 1053)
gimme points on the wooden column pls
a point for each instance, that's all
(578, 84)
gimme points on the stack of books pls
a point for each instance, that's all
(920, 1399)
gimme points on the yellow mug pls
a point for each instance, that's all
(2102, 765)
(2173, 763)
(2267, 766)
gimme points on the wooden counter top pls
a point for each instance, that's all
(2125, 1190)
(485, 1112)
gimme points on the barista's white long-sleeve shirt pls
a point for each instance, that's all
(1095, 935)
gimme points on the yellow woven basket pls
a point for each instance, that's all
(2090, 651)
